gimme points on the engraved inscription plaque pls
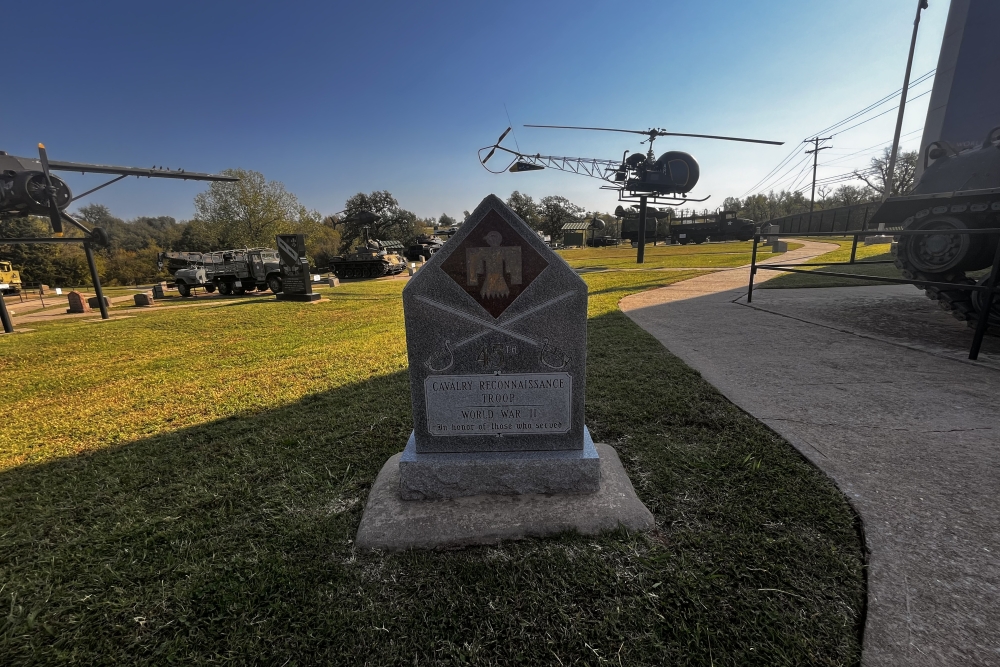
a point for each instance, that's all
(496, 334)
(537, 403)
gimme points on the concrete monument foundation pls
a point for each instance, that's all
(393, 524)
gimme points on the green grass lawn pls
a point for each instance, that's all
(842, 254)
(183, 487)
(710, 255)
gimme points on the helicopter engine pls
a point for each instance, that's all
(24, 192)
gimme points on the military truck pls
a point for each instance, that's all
(10, 280)
(373, 259)
(235, 271)
(722, 226)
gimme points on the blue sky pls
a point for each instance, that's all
(336, 98)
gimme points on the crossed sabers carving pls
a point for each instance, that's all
(546, 351)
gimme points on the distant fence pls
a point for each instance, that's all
(842, 219)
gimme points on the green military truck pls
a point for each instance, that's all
(235, 271)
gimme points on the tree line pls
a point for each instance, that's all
(761, 207)
(242, 214)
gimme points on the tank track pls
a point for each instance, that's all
(957, 302)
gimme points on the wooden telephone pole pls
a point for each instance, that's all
(815, 153)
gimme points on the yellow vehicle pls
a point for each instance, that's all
(10, 280)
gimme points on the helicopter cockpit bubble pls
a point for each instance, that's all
(682, 168)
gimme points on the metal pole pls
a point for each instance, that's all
(8, 326)
(640, 257)
(815, 153)
(984, 313)
(753, 267)
(97, 280)
(890, 172)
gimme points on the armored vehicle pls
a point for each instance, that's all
(373, 259)
(423, 248)
(10, 280)
(723, 226)
(958, 190)
(230, 271)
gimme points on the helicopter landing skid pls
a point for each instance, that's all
(652, 197)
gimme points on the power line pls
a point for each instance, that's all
(875, 105)
(883, 113)
(772, 183)
(878, 145)
(758, 186)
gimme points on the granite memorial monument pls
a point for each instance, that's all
(496, 331)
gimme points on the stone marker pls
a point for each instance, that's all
(94, 302)
(160, 290)
(44, 289)
(496, 331)
(144, 299)
(333, 281)
(296, 280)
(77, 304)
(779, 246)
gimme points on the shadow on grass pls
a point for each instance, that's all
(232, 541)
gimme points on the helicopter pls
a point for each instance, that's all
(27, 187)
(637, 177)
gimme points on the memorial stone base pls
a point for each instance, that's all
(393, 524)
(432, 476)
(314, 296)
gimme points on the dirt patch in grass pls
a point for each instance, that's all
(184, 487)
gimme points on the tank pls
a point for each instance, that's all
(957, 190)
(374, 259)
(424, 247)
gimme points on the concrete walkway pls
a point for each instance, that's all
(871, 384)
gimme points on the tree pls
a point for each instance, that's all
(902, 181)
(248, 212)
(395, 224)
(731, 204)
(554, 212)
(525, 207)
(446, 221)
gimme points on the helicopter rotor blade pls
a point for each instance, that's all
(490, 154)
(603, 129)
(713, 136)
(55, 217)
(500, 140)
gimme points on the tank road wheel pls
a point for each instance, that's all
(209, 288)
(944, 258)
(937, 253)
(274, 284)
(183, 289)
(225, 288)
(381, 270)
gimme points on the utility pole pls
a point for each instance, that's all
(815, 153)
(891, 172)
